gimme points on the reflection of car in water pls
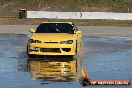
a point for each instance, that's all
(54, 38)
(54, 70)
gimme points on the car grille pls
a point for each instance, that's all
(50, 50)
(66, 49)
(50, 42)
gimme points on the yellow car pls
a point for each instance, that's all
(54, 38)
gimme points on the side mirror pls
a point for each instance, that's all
(32, 30)
(79, 32)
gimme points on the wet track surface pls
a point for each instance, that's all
(103, 57)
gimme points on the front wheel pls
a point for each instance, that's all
(30, 55)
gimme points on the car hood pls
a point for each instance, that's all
(51, 37)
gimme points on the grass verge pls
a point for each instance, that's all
(16, 21)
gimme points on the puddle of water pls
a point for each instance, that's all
(110, 58)
(107, 59)
(18, 71)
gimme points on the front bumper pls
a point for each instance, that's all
(52, 49)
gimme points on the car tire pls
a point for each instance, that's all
(27, 50)
(30, 56)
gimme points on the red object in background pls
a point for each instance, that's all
(86, 81)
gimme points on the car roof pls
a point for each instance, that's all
(58, 22)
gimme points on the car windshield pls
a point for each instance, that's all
(55, 28)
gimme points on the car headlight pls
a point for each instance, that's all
(66, 42)
(34, 48)
(35, 41)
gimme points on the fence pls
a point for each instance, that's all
(79, 15)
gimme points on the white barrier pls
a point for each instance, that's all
(79, 15)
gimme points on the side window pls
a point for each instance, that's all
(74, 27)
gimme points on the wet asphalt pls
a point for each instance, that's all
(104, 57)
